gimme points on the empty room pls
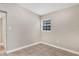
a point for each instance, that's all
(39, 29)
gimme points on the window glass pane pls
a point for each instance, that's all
(48, 21)
(46, 25)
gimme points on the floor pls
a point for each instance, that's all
(41, 50)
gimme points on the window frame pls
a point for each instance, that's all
(47, 25)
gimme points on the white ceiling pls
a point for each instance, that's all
(44, 8)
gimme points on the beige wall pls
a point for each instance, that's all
(0, 29)
(23, 26)
(65, 26)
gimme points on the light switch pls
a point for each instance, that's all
(10, 28)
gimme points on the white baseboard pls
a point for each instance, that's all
(65, 49)
(23, 47)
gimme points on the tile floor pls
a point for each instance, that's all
(41, 50)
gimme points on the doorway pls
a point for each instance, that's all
(3, 18)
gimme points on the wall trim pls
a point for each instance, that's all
(65, 49)
(13, 50)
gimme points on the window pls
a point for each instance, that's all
(46, 25)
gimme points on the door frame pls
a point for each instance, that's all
(4, 29)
